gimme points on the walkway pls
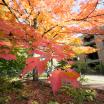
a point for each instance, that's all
(94, 81)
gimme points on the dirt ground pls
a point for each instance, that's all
(41, 93)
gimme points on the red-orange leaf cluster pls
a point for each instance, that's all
(8, 56)
(59, 76)
(45, 28)
(34, 63)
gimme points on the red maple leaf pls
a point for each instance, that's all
(8, 56)
(34, 63)
(58, 76)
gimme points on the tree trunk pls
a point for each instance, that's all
(35, 75)
(35, 72)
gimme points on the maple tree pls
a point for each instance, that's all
(47, 28)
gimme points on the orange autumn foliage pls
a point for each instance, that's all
(47, 28)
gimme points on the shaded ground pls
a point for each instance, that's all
(41, 93)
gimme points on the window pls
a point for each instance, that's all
(93, 56)
(88, 38)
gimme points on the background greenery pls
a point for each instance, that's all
(12, 68)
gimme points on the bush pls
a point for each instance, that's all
(5, 100)
(79, 95)
(80, 66)
(12, 68)
(83, 68)
(101, 67)
(8, 87)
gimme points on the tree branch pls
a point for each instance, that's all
(88, 14)
(49, 30)
(10, 9)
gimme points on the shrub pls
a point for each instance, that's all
(79, 95)
(12, 68)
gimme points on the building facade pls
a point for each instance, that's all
(94, 62)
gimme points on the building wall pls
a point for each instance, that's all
(100, 46)
(99, 42)
(97, 58)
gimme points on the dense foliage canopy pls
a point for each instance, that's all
(49, 29)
